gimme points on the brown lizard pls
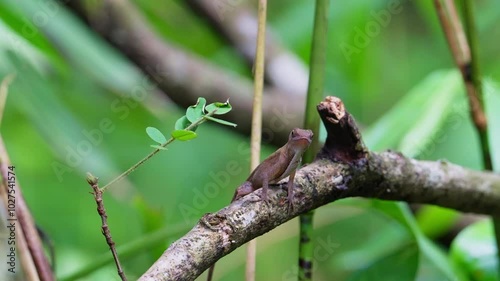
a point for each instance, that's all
(279, 165)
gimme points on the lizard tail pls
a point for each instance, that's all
(211, 272)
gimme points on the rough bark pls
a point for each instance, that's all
(351, 171)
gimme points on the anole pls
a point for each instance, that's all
(279, 165)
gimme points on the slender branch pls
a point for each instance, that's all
(465, 56)
(453, 31)
(143, 160)
(26, 260)
(26, 226)
(93, 181)
(477, 103)
(334, 174)
(256, 134)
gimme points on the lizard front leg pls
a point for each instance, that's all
(265, 188)
(290, 190)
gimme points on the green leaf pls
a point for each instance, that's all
(473, 252)
(431, 258)
(222, 107)
(195, 112)
(401, 264)
(412, 126)
(183, 135)
(435, 221)
(156, 135)
(182, 123)
(159, 147)
(223, 122)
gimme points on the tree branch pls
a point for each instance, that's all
(236, 22)
(352, 171)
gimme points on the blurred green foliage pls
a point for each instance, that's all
(74, 93)
(473, 252)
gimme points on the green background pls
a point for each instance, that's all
(401, 88)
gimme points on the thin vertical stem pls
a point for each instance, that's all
(101, 210)
(257, 120)
(453, 31)
(312, 122)
(474, 77)
(306, 246)
(316, 75)
(481, 124)
(465, 54)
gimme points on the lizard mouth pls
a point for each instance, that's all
(304, 141)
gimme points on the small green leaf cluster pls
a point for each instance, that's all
(186, 126)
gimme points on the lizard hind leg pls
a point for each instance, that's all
(290, 191)
(265, 188)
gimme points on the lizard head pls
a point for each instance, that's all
(300, 139)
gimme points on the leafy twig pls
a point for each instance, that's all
(158, 148)
(184, 130)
